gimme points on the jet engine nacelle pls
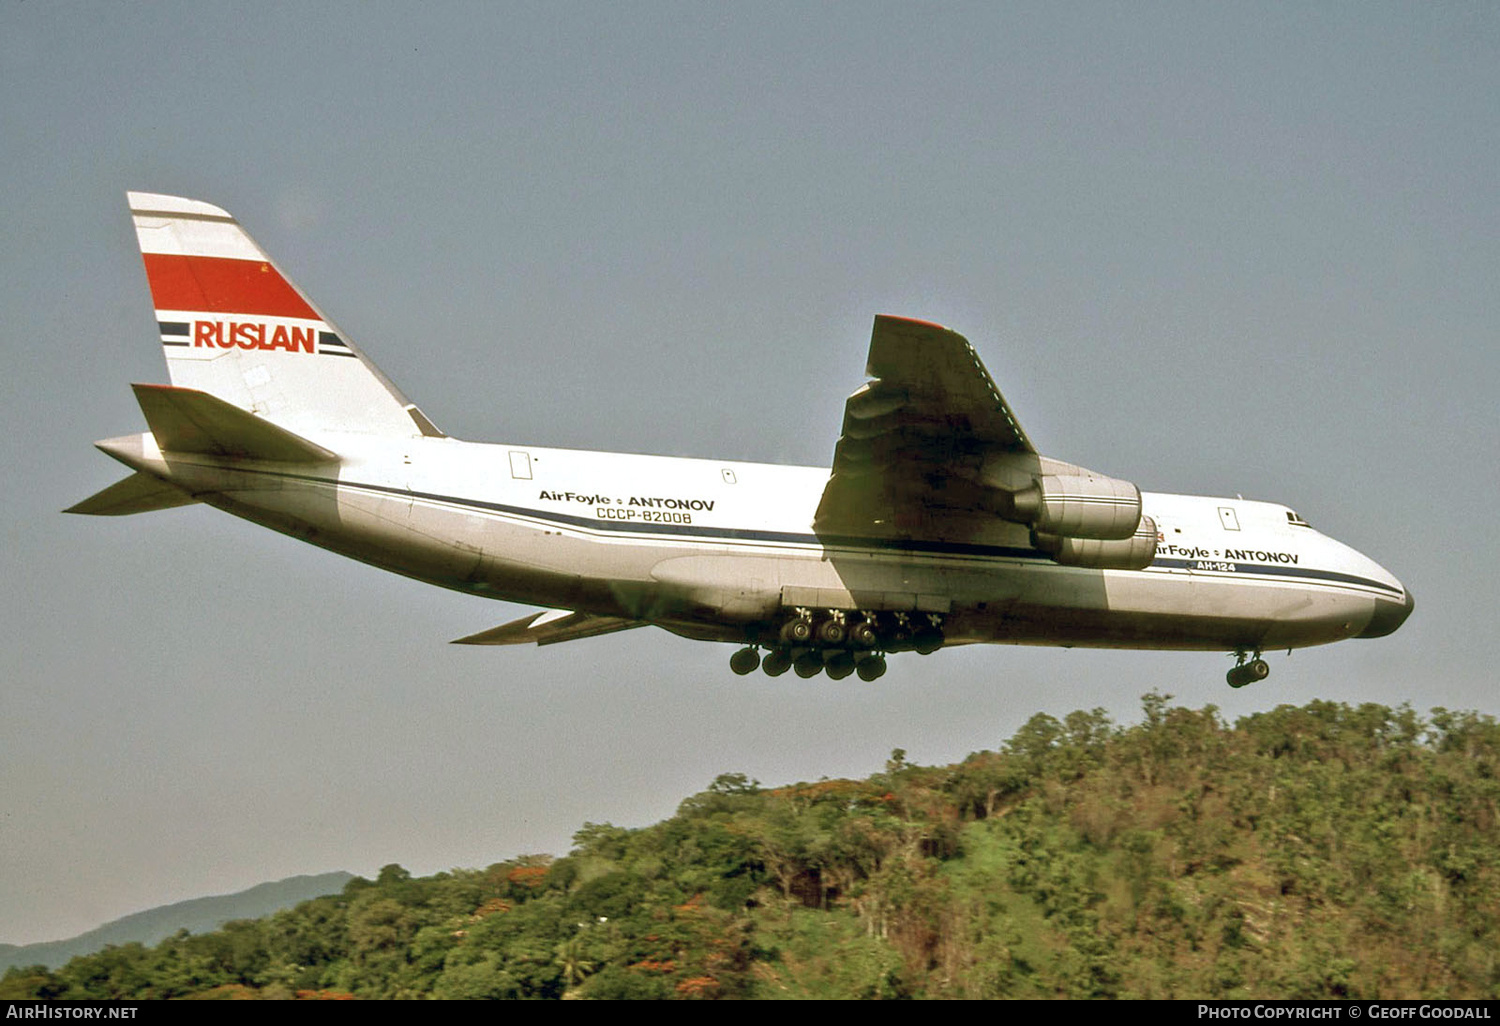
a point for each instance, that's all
(1083, 506)
(1133, 553)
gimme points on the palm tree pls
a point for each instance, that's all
(571, 961)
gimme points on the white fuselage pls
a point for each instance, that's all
(717, 549)
(937, 523)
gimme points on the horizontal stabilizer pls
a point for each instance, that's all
(185, 420)
(138, 493)
(550, 627)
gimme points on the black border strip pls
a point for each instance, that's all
(1276, 570)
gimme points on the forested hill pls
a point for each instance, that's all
(196, 914)
(1322, 851)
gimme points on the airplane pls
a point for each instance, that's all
(939, 523)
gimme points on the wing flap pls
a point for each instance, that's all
(550, 627)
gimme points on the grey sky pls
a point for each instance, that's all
(1210, 248)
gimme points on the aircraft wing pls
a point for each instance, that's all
(549, 627)
(916, 436)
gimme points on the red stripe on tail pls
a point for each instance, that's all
(222, 285)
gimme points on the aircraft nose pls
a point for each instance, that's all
(1388, 616)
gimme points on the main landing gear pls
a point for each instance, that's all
(809, 662)
(1247, 670)
(745, 661)
(840, 642)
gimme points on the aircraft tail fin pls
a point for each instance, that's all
(138, 493)
(234, 326)
(185, 420)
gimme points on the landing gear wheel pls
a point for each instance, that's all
(872, 668)
(863, 634)
(840, 666)
(831, 632)
(1248, 673)
(927, 640)
(798, 632)
(744, 661)
(776, 662)
(808, 664)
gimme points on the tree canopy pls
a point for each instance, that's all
(1313, 852)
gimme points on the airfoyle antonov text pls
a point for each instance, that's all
(650, 501)
(1243, 555)
(253, 335)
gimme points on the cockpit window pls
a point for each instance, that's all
(1295, 520)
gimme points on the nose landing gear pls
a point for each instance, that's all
(1247, 670)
